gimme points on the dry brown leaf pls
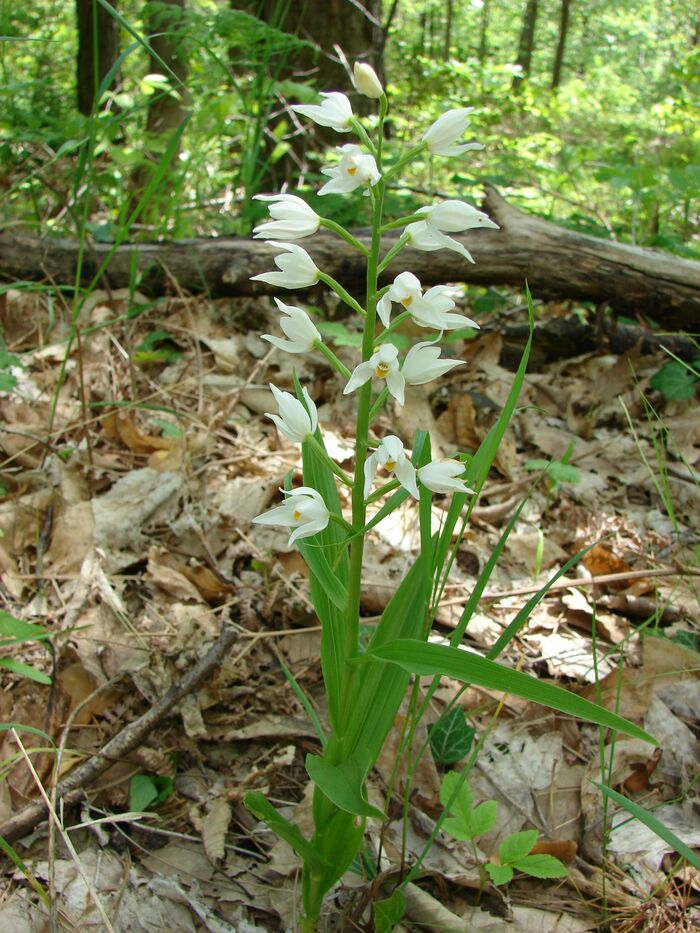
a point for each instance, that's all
(563, 849)
(214, 828)
(118, 425)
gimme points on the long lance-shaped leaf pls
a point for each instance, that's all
(260, 807)
(343, 784)
(653, 823)
(480, 464)
(429, 659)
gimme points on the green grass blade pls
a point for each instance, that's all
(285, 829)
(652, 823)
(429, 659)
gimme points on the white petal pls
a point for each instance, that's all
(395, 383)
(370, 470)
(289, 346)
(406, 474)
(384, 310)
(360, 375)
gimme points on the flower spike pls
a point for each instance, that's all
(304, 511)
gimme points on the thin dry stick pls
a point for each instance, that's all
(72, 788)
(66, 838)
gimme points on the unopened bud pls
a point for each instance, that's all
(366, 81)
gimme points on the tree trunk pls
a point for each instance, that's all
(98, 50)
(527, 43)
(561, 43)
(556, 263)
(484, 32)
(449, 15)
(163, 23)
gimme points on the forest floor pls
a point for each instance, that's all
(129, 491)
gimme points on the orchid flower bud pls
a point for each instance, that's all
(452, 216)
(304, 510)
(297, 270)
(357, 169)
(445, 132)
(442, 476)
(292, 218)
(298, 327)
(391, 455)
(366, 81)
(295, 420)
(335, 111)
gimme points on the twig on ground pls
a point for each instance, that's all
(72, 787)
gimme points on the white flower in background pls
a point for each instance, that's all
(294, 420)
(292, 218)
(447, 129)
(335, 111)
(366, 81)
(383, 364)
(297, 270)
(443, 476)
(423, 364)
(391, 455)
(404, 290)
(298, 327)
(357, 169)
(304, 511)
(450, 216)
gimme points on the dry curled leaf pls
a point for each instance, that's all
(214, 828)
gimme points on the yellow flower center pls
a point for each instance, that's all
(352, 170)
(407, 300)
(382, 370)
(296, 515)
(390, 465)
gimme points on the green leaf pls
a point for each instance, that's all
(499, 874)
(146, 790)
(653, 823)
(7, 381)
(339, 334)
(541, 866)
(429, 659)
(321, 569)
(388, 913)
(343, 784)
(263, 810)
(483, 818)
(17, 631)
(674, 381)
(517, 846)
(451, 737)
(24, 670)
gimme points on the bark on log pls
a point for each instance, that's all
(556, 262)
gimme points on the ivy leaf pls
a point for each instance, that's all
(388, 913)
(451, 737)
(674, 381)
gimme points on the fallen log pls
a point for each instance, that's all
(556, 262)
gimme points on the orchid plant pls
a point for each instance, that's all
(365, 687)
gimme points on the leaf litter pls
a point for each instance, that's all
(125, 530)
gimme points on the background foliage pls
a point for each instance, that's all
(613, 150)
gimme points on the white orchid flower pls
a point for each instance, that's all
(451, 216)
(295, 420)
(405, 289)
(384, 365)
(366, 81)
(423, 364)
(443, 476)
(297, 270)
(292, 218)
(304, 511)
(335, 111)
(447, 129)
(298, 327)
(391, 455)
(357, 169)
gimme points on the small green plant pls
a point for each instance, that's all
(13, 632)
(467, 822)
(451, 737)
(7, 361)
(157, 347)
(677, 380)
(147, 791)
(557, 471)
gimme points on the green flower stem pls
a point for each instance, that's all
(345, 235)
(341, 293)
(332, 465)
(402, 222)
(383, 491)
(339, 520)
(395, 324)
(394, 251)
(378, 404)
(337, 365)
(364, 138)
(404, 160)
